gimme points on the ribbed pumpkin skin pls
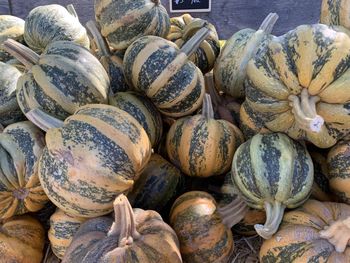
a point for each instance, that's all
(311, 57)
(21, 145)
(184, 27)
(335, 13)
(298, 238)
(21, 240)
(10, 27)
(143, 110)
(177, 90)
(122, 22)
(9, 109)
(96, 155)
(115, 69)
(202, 147)
(67, 76)
(156, 186)
(203, 237)
(62, 229)
(49, 23)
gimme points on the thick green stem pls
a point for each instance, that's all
(100, 41)
(268, 23)
(43, 120)
(207, 108)
(194, 42)
(24, 54)
(71, 10)
(234, 212)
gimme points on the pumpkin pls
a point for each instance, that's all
(112, 63)
(302, 238)
(157, 68)
(135, 235)
(272, 172)
(202, 146)
(203, 235)
(143, 110)
(10, 27)
(22, 240)
(122, 22)
(298, 84)
(91, 157)
(21, 145)
(62, 229)
(335, 13)
(9, 109)
(60, 80)
(157, 184)
(183, 28)
(230, 69)
(49, 23)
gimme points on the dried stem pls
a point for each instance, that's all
(71, 10)
(194, 42)
(100, 41)
(234, 212)
(43, 120)
(207, 108)
(268, 23)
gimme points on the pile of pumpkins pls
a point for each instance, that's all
(152, 123)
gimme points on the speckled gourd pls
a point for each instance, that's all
(10, 27)
(63, 78)
(49, 23)
(272, 172)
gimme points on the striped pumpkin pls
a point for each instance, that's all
(202, 146)
(49, 23)
(9, 109)
(62, 229)
(183, 28)
(230, 69)
(335, 13)
(96, 155)
(10, 27)
(60, 80)
(21, 145)
(202, 234)
(298, 84)
(122, 22)
(136, 235)
(301, 237)
(143, 110)
(157, 184)
(272, 172)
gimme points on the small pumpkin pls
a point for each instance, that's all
(22, 240)
(315, 232)
(10, 27)
(135, 235)
(49, 23)
(21, 145)
(62, 229)
(183, 28)
(158, 69)
(230, 69)
(272, 172)
(202, 146)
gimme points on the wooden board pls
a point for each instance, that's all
(228, 16)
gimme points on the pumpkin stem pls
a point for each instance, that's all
(100, 41)
(210, 88)
(71, 10)
(193, 27)
(234, 212)
(268, 23)
(304, 110)
(194, 42)
(43, 120)
(24, 54)
(274, 215)
(207, 108)
(338, 234)
(157, 2)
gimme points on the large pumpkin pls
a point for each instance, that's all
(21, 145)
(49, 23)
(299, 84)
(10, 27)
(302, 238)
(272, 172)
(60, 80)
(135, 235)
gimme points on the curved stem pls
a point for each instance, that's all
(268, 23)
(24, 54)
(274, 215)
(43, 120)
(194, 42)
(207, 108)
(210, 88)
(193, 27)
(100, 41)
(157, 2)
(71, 10)
(234, 212)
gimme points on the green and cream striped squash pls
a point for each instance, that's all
(62, 230)
(63, 78)
(96, 154)
(123, 22)
(272, 172)
(21, 146)
(10, 27)
(335, 13)
(143, 110)
(49, 23)
(299, 84)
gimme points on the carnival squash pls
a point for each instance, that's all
(135, 235)
(272, 172)
(335, 13)
(10, 27)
